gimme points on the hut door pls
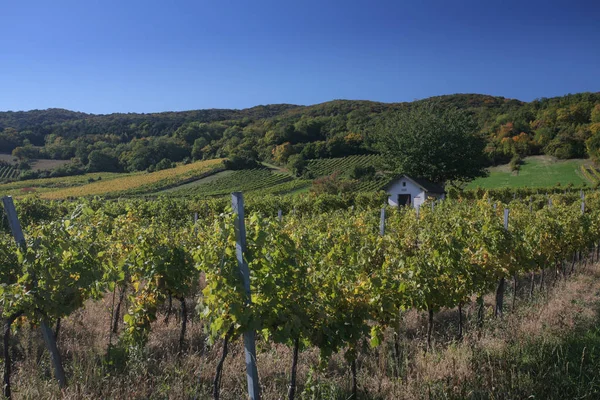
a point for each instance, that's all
(404, 199)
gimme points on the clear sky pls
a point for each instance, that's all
(105, 56)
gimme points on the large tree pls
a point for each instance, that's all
(441, 145)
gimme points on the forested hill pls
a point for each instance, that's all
(557, 126)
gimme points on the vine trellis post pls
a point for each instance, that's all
(47, 334)
(237, 203)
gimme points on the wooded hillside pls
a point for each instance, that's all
(565, 127)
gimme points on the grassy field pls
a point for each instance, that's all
(536, 171)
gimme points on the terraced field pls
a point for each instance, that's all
(343, 165)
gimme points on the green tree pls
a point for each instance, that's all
(297, 164)
(437, 144)
(101, 161)
(199, 144)
(593, 148)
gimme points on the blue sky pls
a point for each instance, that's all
(146, 56)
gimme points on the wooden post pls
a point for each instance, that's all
(382, 222)
(13, 221)
(549, 202)
(237, 203)
(500, 288)
(47, 334)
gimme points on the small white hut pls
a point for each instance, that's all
(406, 190)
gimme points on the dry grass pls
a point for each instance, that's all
(535, 350)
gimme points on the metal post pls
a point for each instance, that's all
(382, 222)
(237, 203)
(280, 215)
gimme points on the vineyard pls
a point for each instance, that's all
(591, 173)
(8, 172)
(139, 183)
(371, 185)
(243, 180)
(329, 281)
(343, 165)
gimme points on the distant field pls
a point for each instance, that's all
(42, 164)
(537, 171)
(7, 158)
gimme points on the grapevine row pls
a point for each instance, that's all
(325, 280)
(328, 166)
(7, 172)
(244, 180)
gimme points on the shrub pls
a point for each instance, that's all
(332, 184)
(362, 172)
(165, 163)
(238, 162)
